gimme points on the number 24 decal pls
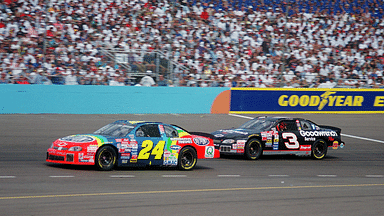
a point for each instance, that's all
(292, 138)
(147, 146)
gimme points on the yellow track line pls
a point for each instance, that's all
(187, 191)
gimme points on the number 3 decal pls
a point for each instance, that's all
(292, 138)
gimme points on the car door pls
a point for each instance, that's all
(150, 145)
(289, 135)
(307, 137)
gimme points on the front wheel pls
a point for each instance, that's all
(253, 149)
(319, 149)
(187, 158)
(106, 158)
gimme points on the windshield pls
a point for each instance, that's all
(115, 130)
(257, 124)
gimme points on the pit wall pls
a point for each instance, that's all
(36, 99)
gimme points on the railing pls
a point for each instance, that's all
(137, 61)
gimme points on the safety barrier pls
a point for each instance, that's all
(285, 101)
(105, 99)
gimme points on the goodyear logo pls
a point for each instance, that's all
(328, 98)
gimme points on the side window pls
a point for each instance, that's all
(287, 126)
(305, 125)
(149, 130)
(170, 132)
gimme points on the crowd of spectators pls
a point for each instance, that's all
(243, 43)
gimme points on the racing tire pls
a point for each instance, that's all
(106, 158)
(319, 149)
(253, 149)
(187, 158)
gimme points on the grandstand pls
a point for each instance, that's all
(243, 43)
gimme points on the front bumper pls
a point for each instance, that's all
(65, 157)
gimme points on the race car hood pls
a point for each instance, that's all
(80, 140)
(233, 133)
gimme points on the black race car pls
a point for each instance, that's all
(278, 135)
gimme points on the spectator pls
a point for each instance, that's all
(147, 80)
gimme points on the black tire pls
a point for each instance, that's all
(319, 149)
(106, 158)
(253, 149)
(187, 158)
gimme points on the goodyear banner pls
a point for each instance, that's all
(261, 100)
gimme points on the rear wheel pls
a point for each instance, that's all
(319, 149)
(106, 158)
(187, 158)
(253, 149)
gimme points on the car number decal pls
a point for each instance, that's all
(292, 138)
(147, 145)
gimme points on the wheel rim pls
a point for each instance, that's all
(106, 158)
(253, 148)
(187, 159)
(319, 150)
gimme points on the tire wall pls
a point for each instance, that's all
(35, 99)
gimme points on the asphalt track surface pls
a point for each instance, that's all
(347, 182)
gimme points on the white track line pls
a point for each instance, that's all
(278, 175)
(7, 177)
(174, 176)
(122, 176)
(363, 138)
(327, 176)
(228, 175)
(61, 176)
(351, 136)
(374, 176)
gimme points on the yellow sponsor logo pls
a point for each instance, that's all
(328, 98)
(379, 101)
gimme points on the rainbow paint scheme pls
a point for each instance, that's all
(138, 143)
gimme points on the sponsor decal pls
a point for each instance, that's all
(124, 161)
(133, 159)
(328, 98)
(201, 141)
(241, 144)
(175, 147)
(298, 124)
(240, 151)
(182, 140)
(122, 140)
(172, 160)
(317, 133)
(121, 150)
(219, 135)
(309, 139)
(161, 128)
(131, 136)
(209, 151)
(275, 147)
(125, 156)
(234, 146)
(335, 145)
(92, 148)
(305, 147)
(167, 153)
(78, 139)
(61, 144)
